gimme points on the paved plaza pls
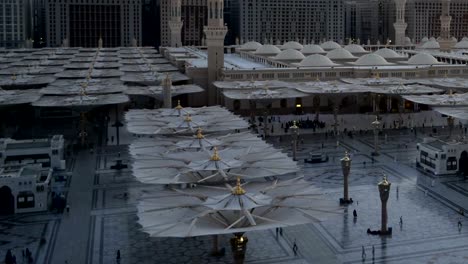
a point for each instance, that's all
(103, 216)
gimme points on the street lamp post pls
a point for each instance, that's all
(295, 133)
(384, 190)
(376, 127)
(346, 166)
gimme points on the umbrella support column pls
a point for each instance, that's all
(117, 125)
(83, 134)
(239, 247)
(215, 251)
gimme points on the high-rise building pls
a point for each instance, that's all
(15, 23)
(309, 20)
(38, 23)
(194, 17)
(83, 22)
(424, 18)
(150, 20)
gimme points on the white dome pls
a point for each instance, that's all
(454, 39)
(289, 54)
(292, 45)
(408, 41)
(462, 45)
(432, 39)
(464, 39)
(371, 60)
(354, 48)
(431, 44)
(252, 45)
(312, 49)
(423, 59)
(268, 50)
(424, 40)
(387, 53)
(316, 60)
(330, 45)
(340, 53)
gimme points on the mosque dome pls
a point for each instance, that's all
(317, 60)
(408, 41)
(252, 45)
(371, 60)
(423, 59)
(267, 50)
(292, 45)
(355, 49)
(289, 55)
(424, 40)
(340, 53)
(431, 44)
(387, 53)
(462, 44)
(330, 45)
(312, 49)
(464, 39)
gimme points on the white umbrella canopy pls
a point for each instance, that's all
(224, 210)
(456, 112)
(250, 162)
(210, 119)
(440, 100)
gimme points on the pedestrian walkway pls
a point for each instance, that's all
(72, 239)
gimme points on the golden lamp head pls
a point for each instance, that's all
(215, 156)
(238, 190)
(178, 107)
(199, 134)
(188, 118)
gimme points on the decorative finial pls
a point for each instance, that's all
(346, 157)
(178, 107)
(13, 77)
(384, 181)
(188, 118)
(294, 126)
(215, 156)
(238, 189)
(199, 134)
(317, 79)
(377, 75)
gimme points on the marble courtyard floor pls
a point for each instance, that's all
(102, 220)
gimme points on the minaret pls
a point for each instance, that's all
(215, 33)
(445, 39)
(167, 91)
(175, 23)
(400, 25)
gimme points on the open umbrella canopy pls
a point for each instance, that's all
(22, 81)
(252, 158)
(440, 100)
(210, 119)
(456, 112)
(445, 83)
(377, 81)
(330, 88)
(208, 210)
(152, 78)
(92, 86)
(157, 91)
(16, 97)
(81, 100)
(401, 89)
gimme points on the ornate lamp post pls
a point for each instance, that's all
(239, 241)
(295, 133)
(376, 127)
(346, 166)
(384, 190)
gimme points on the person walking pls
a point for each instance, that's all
(459, 223)
(295, 248)
(363, 253)
(401, 220)
(373, 252)
(354, 213)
